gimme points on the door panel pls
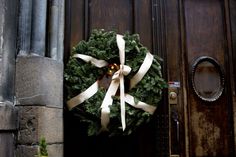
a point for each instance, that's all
(116, 15)
(204, 29)
(209, 122)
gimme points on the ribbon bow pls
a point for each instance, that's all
(117, 79)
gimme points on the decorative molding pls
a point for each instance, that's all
(41, 28)
(38, 34)
(61, 31)
(159, 47)
(24, 27)
(56, 29)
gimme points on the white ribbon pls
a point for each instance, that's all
(117, 80)
(94, 61)
(88, 93)
(141, 105)
(142, 70)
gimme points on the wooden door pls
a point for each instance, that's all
(199, 53)
(134, 16)
(191, 36)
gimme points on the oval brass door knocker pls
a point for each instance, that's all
(207, 78)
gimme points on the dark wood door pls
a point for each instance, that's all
(181, 32)
(200, 29)
(134, 16)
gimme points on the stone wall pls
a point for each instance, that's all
(39, 76)
(31, 76)
(39, 91)
(8, 129)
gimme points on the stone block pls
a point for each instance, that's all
(7, 145)
(38, 121)
(39, 81)
(26, 151)
(8, 117)
(54, 150)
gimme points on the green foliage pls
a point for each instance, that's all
(42, 149)
(80, 75)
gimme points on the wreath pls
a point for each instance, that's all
(90, 73)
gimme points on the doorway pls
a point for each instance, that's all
(194, 39)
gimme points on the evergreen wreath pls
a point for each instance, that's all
(79, 75)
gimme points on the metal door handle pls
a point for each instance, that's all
(175, 123)
(177, 129)
(175, 118)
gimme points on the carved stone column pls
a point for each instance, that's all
(56, 29)
(39, 18)
(24, 26)
(61, 31)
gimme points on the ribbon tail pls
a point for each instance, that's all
(121, 46)
(107, 101)
(141, 105)
(122, 102)
(105, 119)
